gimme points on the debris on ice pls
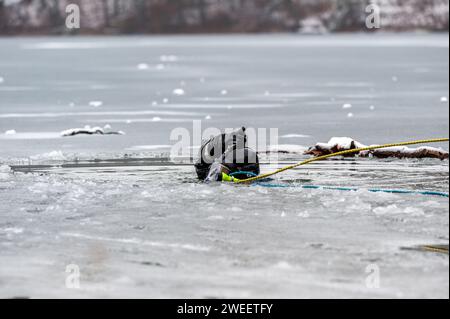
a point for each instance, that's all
(338, 144)
(87, 130)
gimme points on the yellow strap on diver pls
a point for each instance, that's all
(228, 178)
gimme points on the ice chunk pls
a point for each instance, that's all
(224, 92)
(347, 106)
(157, 119)
(444, 99)
(179, 92)
(11, 132)
(95, 103)
(350, 115)
(143, 66)
(344, 142)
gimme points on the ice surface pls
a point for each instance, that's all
(146, 228)
(171, 236)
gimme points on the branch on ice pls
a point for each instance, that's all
(338, 144)
(89, 131)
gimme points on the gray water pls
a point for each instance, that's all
(153, 231)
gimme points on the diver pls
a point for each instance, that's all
(226, 157)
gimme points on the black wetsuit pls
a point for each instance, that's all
(227, 153)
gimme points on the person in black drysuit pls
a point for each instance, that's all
(227, 154)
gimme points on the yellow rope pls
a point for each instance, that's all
(435, 249)
(348, 152)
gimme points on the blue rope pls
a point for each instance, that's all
(344, 189)
(352, 189)
(251, 174)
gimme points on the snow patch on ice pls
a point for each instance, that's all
(143, 66)
(342, 142)
(95, 103)
(179, 92)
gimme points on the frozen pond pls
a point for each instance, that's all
(149, 229)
